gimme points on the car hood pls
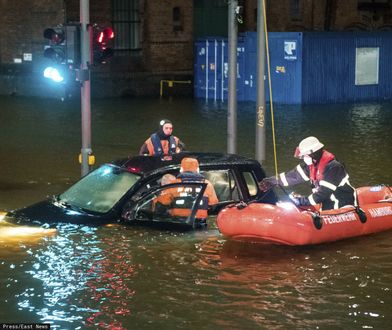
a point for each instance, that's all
(50, 212)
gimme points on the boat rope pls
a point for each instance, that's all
(270, 89)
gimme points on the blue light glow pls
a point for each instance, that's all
(53, 74)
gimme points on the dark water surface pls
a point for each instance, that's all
(132, 278)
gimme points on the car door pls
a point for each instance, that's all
(158, 204)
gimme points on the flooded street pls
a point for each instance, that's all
(138, 278)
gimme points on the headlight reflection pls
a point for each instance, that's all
(85, 280)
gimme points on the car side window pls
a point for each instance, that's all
(172, 203)
(224, 184)
(251, 183)
(153, 183)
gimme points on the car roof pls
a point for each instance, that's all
(146, 164)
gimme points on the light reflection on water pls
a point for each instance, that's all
(61, 269)
(120, 277)
(128, 277)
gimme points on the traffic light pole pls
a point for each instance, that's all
(85, 42)
(232, 83)
(260, 102)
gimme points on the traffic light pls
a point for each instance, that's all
(72, 43)
(63, 50)
(64, 44)
(102, 41)
(56, 50)
(55, 74)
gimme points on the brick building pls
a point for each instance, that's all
(155, 38)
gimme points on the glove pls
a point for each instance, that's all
(267, 183)
(299, 200)
(181, 146)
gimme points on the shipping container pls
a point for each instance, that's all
(305, 67)
(285, 67)
(211, 69)
(346, 67)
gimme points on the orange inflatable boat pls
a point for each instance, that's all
(286, 224)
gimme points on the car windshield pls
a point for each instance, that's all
(100, 190)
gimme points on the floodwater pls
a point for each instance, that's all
(139, 278)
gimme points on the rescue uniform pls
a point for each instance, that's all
(154, 145)
(176, 197)
(330, 181)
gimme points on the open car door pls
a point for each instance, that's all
(161, 204)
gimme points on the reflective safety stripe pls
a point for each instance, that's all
(344, 181)
(311, 200)
(354, 193)
(335, 202)
(302, 173)
(355, 198)
(328, 185)
(283, 179)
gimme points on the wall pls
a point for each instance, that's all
(167, 49)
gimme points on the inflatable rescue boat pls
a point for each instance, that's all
(284, 223)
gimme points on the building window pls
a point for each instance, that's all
(126, 24)
(373, 5)
(366, 66)
(296, 10)
(177, 22)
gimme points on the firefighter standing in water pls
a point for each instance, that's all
(162, 142)
(189, 172)
(329, 179)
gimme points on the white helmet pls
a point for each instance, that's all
(308, 146)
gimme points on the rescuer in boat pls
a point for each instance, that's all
(174, 198)
(162, 142)
(329, 179)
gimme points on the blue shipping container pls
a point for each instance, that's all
(211, 69)
(208, 67)
(330, 67)
(285, 67)
(306, 68)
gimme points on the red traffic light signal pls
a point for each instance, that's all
(105, 35)
(101, 44)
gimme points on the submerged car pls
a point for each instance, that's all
(124, 191)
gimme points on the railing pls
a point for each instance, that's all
(170, 83)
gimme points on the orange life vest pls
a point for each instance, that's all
(178, 201)
(156, 146)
